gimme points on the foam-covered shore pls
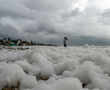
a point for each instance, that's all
(56, 68)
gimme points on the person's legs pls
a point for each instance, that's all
(65, 45)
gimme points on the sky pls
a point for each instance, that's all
(48, 21)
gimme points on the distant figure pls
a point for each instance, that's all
(65, 41)
(18, 42)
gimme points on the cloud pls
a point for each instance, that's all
(51, 20)
(105, 17)
(49, 5)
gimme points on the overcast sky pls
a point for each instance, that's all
(51, 20)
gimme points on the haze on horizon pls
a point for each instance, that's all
(83, 21)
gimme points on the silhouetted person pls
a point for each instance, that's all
(65, 41)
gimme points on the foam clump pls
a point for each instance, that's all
(56, 68)
(61, 84)
(92, 76)
(11, 74)
(67, 84)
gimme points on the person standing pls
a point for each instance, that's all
(65, 41)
